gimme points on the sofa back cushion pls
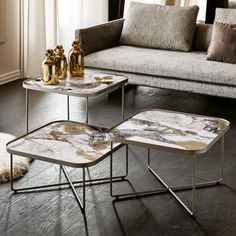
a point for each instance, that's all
(225, 15)
(157, 26)
(202, 37)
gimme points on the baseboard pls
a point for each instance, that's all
(8, 77)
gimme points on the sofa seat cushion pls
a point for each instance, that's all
(163, 63)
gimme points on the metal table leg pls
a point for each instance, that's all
(11, 173)
(222, 154)
(68, 107)
(194, 188)
(71, 184)
(127, 160)
(126, 195)
(111, 171)
(171, 189)
(27, 109)
(86, 110)
(81, 203)
(122, 102)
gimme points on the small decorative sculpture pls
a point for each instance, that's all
(76, 60)
(49, 69)
(61, 62)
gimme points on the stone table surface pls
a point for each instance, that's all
(86, 86)
(170, 131)
(64, 142)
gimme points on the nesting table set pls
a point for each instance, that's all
(81, 145)
(86, 88)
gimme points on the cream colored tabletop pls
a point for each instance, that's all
(64, 142)
(86, 86)
(170, 131)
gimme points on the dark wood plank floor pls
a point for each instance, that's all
(57, 213)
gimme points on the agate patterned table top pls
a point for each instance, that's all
(86, 86)
(170, 131)
(64, 142)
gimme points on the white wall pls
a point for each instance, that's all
(10, 49)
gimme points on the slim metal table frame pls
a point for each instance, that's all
(167, 188)
(69, 184)
(68, 94)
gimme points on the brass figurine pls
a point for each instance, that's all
(61, 62)
(49, 69)
(76, 60)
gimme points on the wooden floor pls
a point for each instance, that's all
(57, 213)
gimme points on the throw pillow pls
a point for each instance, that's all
(223, 43)
(156, 26)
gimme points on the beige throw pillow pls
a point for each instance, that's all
(156, 26)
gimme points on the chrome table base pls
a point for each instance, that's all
(72, 185)
(68, 106)
(167, 188)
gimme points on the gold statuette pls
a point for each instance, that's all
(61, 62)
(49, 69)
(76, 60)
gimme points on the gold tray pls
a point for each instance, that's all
(104, 79)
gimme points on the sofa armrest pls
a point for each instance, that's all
(100, 37)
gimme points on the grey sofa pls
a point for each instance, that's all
(176, 70)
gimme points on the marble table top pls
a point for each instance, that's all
(64, 142)
(170, 131)
(86, 86)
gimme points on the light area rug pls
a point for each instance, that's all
(20, 164)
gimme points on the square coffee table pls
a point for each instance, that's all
(65, 143)
(86, 87)
(170, 131)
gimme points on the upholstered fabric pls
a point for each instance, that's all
(156, 26)
(202, 37)
(100, 37)
(223, 43)
(163, 63)
(225, 15)
(174, 84)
